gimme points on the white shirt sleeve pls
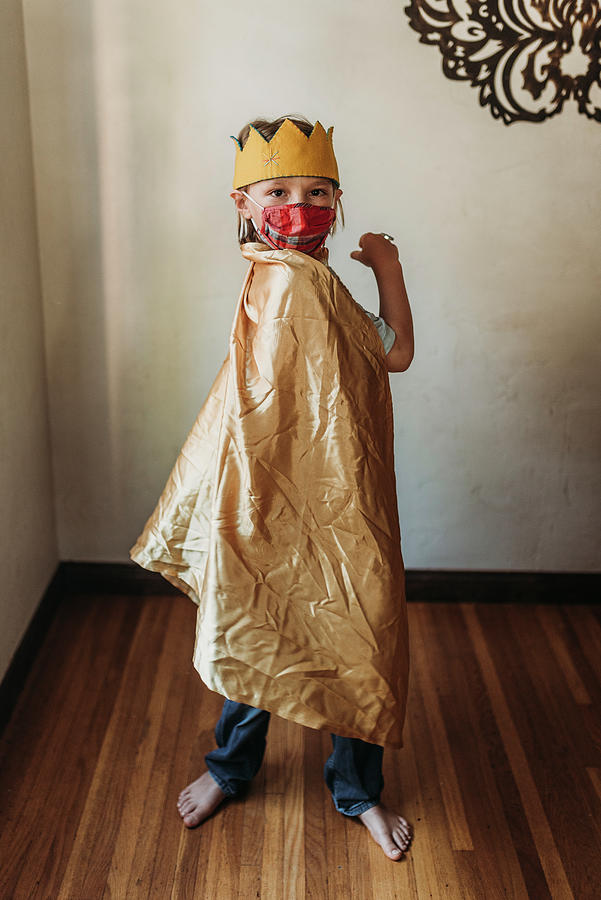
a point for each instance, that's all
(386, 333)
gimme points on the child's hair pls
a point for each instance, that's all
(267, 128)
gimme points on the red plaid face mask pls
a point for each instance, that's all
(294, 226)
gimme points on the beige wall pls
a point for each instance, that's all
(27, 530)
(497, 420)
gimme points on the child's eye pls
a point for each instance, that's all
(317, 191)
(276, 192)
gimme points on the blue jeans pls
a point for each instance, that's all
(353, 771)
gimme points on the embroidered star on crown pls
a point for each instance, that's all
(272, 158)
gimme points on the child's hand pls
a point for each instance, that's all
(376, 251)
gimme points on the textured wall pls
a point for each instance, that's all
(27, 530)
(497, 419)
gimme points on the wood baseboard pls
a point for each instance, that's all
(455, 586)
(25, 654)
(423, 585)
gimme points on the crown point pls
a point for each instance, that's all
(258, 133)
(286, 125)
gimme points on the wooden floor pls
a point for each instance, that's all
(500, 774)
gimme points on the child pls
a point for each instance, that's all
(279, 518)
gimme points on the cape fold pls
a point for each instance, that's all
(279, 518)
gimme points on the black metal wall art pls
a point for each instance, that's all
(527, 57)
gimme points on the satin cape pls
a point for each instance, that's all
(279, 518)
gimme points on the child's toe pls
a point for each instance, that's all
(191, 820)
(187, 807)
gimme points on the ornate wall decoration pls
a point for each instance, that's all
(526, 57)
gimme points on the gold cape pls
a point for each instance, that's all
(279, 518)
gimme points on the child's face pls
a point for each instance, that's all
(278, 191)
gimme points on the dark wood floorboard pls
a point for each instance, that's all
(500, 773)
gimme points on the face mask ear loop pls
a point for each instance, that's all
(248, 197)
(335, 217)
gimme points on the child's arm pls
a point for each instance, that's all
(383, 257)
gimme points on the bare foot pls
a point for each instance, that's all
(197, 801)
(391, 831)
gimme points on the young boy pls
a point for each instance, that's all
(279, 518)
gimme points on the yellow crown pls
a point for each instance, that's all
(289, 152)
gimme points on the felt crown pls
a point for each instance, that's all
(289, 152)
